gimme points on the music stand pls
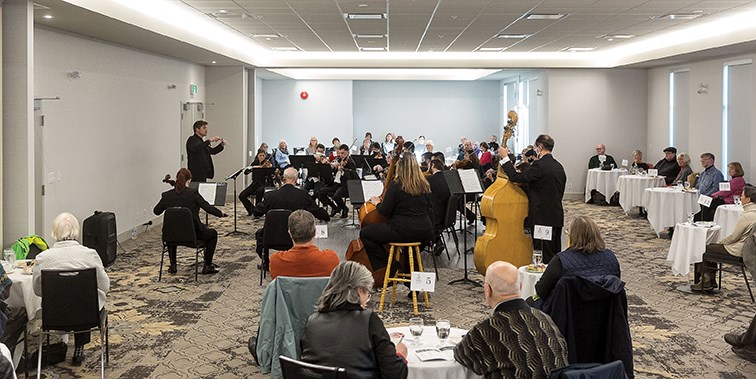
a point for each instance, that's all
(233, 176)
(461, 182)
(215, 196)
(356, 198)
(299, 161)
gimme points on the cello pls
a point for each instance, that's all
(505, 206)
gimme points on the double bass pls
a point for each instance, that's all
(505, 206)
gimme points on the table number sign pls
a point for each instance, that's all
(624, 163)
(724, 186)
(448, 149)
(423, 281)
(704, 200)
(653, 172)
(541, 232)
(321, 231)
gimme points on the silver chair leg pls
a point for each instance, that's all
(102, 354)
(39, 356)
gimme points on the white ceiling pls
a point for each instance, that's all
(414, 33)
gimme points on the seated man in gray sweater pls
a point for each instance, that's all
(517, 341)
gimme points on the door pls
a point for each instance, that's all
(190, 112)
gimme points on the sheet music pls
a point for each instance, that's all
(207, 191)
(470, 181)
(371, 188)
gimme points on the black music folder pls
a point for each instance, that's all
(213, 192)
(298, 161)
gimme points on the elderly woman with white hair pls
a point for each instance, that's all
(68, 254)
(365, 351)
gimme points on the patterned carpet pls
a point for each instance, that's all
(179, 329)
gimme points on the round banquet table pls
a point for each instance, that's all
(22, 293)
(667, 206)
(528, 281)
(603, 181)
(432, 369)
(727, 216)
(688, 245)
(632, 187)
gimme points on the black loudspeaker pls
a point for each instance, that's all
(99, 233)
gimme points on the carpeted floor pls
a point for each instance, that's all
(180, 329)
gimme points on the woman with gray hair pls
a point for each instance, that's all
(68, 254)
(366, 351)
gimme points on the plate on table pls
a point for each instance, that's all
(8, 268)
(25, 262)
(704, 224)
(534, 269)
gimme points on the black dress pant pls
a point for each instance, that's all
(334, 193)
(707, 213)
(549, 248)
(711, 267)
(374, 236)
(81, 339)
(255, 188)
(209, 236)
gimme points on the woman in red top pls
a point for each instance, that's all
(485, 158)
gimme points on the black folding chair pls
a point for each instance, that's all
(178, 230)
(275, 235)
(720, 259)
(294, 369)
(70, 305)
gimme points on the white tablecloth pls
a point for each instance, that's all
(432, 369)
(688, 245)
(605, 182)
(528, 281)
(667, 206)
(22, 293)
(727, 216)
(632, 187)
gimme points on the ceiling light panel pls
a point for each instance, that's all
(545, 16)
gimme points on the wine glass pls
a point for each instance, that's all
(443, 328)
(416, 328)
(537, 258)
(690, 217)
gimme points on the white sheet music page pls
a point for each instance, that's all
(470, 181)
(207, 191)
(371, 188)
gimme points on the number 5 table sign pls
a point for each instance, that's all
(423, 281)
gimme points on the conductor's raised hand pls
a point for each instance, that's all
(215, 139)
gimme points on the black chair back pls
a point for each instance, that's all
(178, 227)
(276, 230)
(70, 300)
(294, 369)
(451, 211)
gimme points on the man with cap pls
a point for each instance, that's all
(667, 166)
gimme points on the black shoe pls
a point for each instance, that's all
(334, 212)
(438, 249)
(78, 356)
(209, 269)
(252, 346)
(734, 340)
(172, 269)
(702, 286)
(744, 353)
(344, 212)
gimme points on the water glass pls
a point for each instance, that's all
(443, 328)
(416, 328)
(537, 257)
(10, 256)
(690, 217)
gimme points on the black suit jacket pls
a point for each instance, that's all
(349, 172)
(546, 180)
(189, 198)
(291, 198)
(198, 158)
(439, 198)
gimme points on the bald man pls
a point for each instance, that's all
(595, 161)
(517, 341)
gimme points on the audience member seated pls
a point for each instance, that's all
(12, 319)
(68, 254)
(388, 143)
(304, 259)
(744, 344)
(732, 244)
(667, 166)
(366, 146)
(708, 181)
(737, 183)
(601, 157)
(287, 197)
(312, 147)
(516, 341)
(281, 155)
(683, 160)
(486, 158)
(333, 152)
(183, 196)
(343, 333)
(586, 257)
(638, 165)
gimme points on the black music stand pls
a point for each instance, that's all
(220, 195)
(457, 187)
(233, 176)
(299, 161)
(357, 200)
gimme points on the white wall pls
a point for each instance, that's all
(116, 130)
(588, 107)
(442, 111)
(227, 117)
(326, 113)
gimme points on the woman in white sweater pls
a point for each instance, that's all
(68, 254)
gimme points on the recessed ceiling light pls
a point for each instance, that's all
(213, 62)
(264, 35)
(513, 36)
(545, 16)
(579, 49)
(372, 49)
(681, 16)
(364, 16)
(48, 16)
(285, 49)
(370, 36)
(616, 36)
(362, 5)
(222, 11)
(489, 49)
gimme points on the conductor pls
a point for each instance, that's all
(199, 152)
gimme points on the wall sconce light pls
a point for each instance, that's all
(702, 89)
(539, 92)
(74, 75)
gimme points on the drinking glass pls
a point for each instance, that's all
(537, 257)
(416, 328)
(690, 217)
(443, 328)
(686, 185)
(10, 256)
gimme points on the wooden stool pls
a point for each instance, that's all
(397, 247)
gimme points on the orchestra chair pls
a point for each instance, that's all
(275, 236)
(612, 370)
(394, 253)
(294, 369)
(178, 230)
(70, 305)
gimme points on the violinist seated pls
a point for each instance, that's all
(469, 162)
(256, 188)
(287, 197)
(376, 151)
(314, 183)
(335, 194)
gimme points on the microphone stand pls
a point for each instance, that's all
(233, 176)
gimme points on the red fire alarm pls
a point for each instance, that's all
(304, 95)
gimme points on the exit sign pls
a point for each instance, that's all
(192, 89)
